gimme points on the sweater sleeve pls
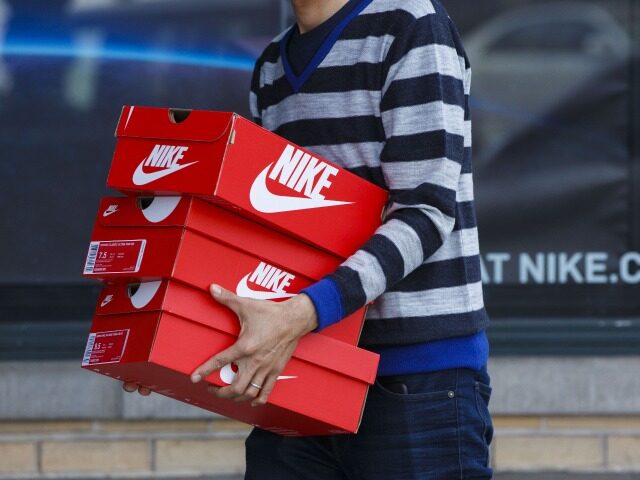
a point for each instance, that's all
(423, 104)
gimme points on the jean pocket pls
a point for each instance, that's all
(483, 395)
(415, 394)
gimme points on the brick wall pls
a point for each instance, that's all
(184, 448)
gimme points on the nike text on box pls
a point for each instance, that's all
(170, 331)
(229, 160)
(199, 243)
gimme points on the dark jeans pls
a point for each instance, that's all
(432, 426)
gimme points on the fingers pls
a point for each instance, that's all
(226, 298)
(240, 389)
(131, 387)
(254, 388)
(144, 391)
(228, 356)
(267, 388)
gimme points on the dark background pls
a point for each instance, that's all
(556, 125)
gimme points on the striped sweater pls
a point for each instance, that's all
(386, 97)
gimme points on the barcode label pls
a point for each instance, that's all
(88, 349)
(91, 257)
(105, 347)
(114, 256)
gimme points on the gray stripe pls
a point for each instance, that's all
(465, 188)
(311, 106)
(461, 243)
(467, 79)
(253, 105)
(372, 277)
(467, 133)
(444, 223)
(429, 59)
(361, 50)
(417, 8)
(271, 72)
(406, 241)
(426, 117)
(407, 175)
(351, 155)
(437, 301)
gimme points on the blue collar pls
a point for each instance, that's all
(298, 82)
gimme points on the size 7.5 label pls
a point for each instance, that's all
(114, 256)
(105, 347)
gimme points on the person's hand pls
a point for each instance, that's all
(132, 387)
(269, 334)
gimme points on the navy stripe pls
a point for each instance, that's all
(467, 111)
(388, 256)
(271, 54)
(372, 174)
(465, 216)
(424, 146)
(444, 199)
(424, 89)
(378, 24)
(423, 226)
(332, 131)
(412, 330)
(351, 291)
(361, 76)
(466, 161)
(432, 29)
(446, 273)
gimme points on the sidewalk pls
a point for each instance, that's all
(500, 476)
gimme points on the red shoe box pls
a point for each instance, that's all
(158, 334)
(198, 243)
(227, 159)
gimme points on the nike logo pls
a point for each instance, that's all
(268, 277)
(300, 172)
(106, 301)
(110, 210)
(162, 156)
(229, 371)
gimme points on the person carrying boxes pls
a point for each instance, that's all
(380, 87)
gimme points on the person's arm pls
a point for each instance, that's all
(423, 113)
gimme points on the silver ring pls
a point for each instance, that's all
(255, 385)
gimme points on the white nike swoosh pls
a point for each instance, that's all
(227, 375)
(142, 178)
(109, 212)
(243, 290)
(266, 202)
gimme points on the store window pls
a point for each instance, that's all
(556, 125)
(556, 128)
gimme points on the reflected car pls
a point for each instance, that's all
(529, 59)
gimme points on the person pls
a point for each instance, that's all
(380, 87)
